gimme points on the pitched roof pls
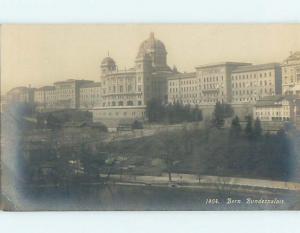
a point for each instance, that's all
(229, 63)
(294, 56)
(274, 100)
(183, 75)
(86, 85)
(256, 67)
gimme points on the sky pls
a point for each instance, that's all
(39, 54)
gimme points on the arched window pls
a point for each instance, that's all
(129, 103)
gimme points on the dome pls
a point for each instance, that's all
(108, 64)
(108, 61)
(151, 45)
(294, 56)
(155, 50)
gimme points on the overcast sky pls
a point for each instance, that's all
(39, 55)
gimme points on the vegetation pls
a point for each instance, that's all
(235, 151)
(137, 125)
(221, 112)
(171, 113)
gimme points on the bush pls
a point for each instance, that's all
(172, 113)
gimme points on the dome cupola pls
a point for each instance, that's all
(155, 49)
(108, 64)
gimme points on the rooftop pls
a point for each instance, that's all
(271, 100)
(93, 84)
(46, 88)
(72, 81)
(294, 56)
(183, 75)
(223, 64)
(256, 67)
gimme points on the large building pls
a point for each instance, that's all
(253, 82)
(44, 97)
(208, 85)
(3, 103)
(215, 82)
(21, 95)
(183, 89)
(90, 95)
(291, 75)
(275, 108)
(125, 92)
(63, 95)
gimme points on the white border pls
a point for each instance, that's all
(150, 11)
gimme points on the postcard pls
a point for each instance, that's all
(150, 117)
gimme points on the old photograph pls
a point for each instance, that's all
(150, 117)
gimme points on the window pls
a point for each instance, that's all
(129, 103)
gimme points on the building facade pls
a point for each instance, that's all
(253, 82)
(63, 95)
(214, 82)
(44, 97)
(183, 89)
(275, 108)
(125, 93)
(291, 75)
(21, 95)
(3, 103)
(90, 95)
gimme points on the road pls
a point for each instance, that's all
(188, 180)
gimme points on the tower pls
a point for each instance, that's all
(156, 51)
(107, 65)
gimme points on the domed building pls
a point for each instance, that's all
(155, 50)
(108, 64)
(126, 92)
(291, 75)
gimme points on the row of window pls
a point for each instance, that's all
(90, 96)
(124, 113)
(251, 84)
(212, 79)
(121, 103)
(121, 97)
(246, 76)
(272, 113)
(250, 92)
(274, 118)
(249, 99)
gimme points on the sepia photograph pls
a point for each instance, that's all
(150, 117)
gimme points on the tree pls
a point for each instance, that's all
(236, 128)
(110, 162)
(257, 131)
(172, 113)
(52, 122)
(197, 114)
(137, 125)
(155, 110)
(170, 151)
(249, 129)
(218, 115)
(222, 111)
(228, 110)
